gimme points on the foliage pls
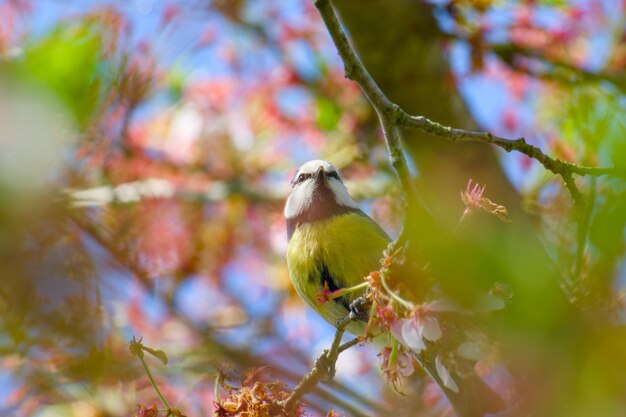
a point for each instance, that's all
(146, 156)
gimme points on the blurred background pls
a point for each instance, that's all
(146, 149)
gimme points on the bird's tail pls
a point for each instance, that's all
(471, 396)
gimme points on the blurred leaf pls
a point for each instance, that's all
(616, 148)
(176, 83)
(66, 61)
(157, 353)
(593, 117)
(607, 229)
(328, 113)
(553, 2)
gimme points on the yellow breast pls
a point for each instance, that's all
(349, 246)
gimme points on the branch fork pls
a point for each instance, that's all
(324, 368)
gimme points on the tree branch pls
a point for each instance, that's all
(558, 70)
(558, 167)
(324, 368)
(386, 110)
(392, 117)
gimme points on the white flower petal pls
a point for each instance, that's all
(405, 365)
(470, 350)
(445, 376)
(396, 330)
(447, 305)
(429, 328)
(411, 336)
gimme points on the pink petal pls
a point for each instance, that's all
(429, 328)
(447, 305)
(445, 376)
(396, 329)
(470, 350)
(411, 336)
(405, 365)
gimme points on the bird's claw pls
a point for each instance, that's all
(359, 307)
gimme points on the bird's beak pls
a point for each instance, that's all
(319, 175)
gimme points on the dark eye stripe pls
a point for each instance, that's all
(302, 177)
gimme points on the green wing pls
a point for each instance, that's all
(376, 226)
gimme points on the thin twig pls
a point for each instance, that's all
(136, 348)
(406, 304)
(386, 110)
(154, 385)
(324, 368)
(349, 344)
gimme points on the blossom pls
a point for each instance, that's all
(412, 332)
(470, 350)
(472, 195)
(474, 201)
(376, 291)
(258, 400)
(386, 315)
(445, 376)
(324, 295)
(142, 411)
(395, 365)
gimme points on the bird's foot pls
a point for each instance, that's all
(359, 308)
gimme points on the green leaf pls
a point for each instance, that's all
(328, 113)
(66, 62)
(176, 83)
(607, 228)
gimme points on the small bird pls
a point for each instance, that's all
(333, 244)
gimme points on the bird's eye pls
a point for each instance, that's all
(334, 175)
(300, 178)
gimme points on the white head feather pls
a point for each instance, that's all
(302, 193)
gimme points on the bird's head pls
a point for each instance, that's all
(317, 192)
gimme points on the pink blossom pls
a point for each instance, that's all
(395, 367)
(474, 201)
(414, 331)
(445, 375)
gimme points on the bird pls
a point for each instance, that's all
(333, 244)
